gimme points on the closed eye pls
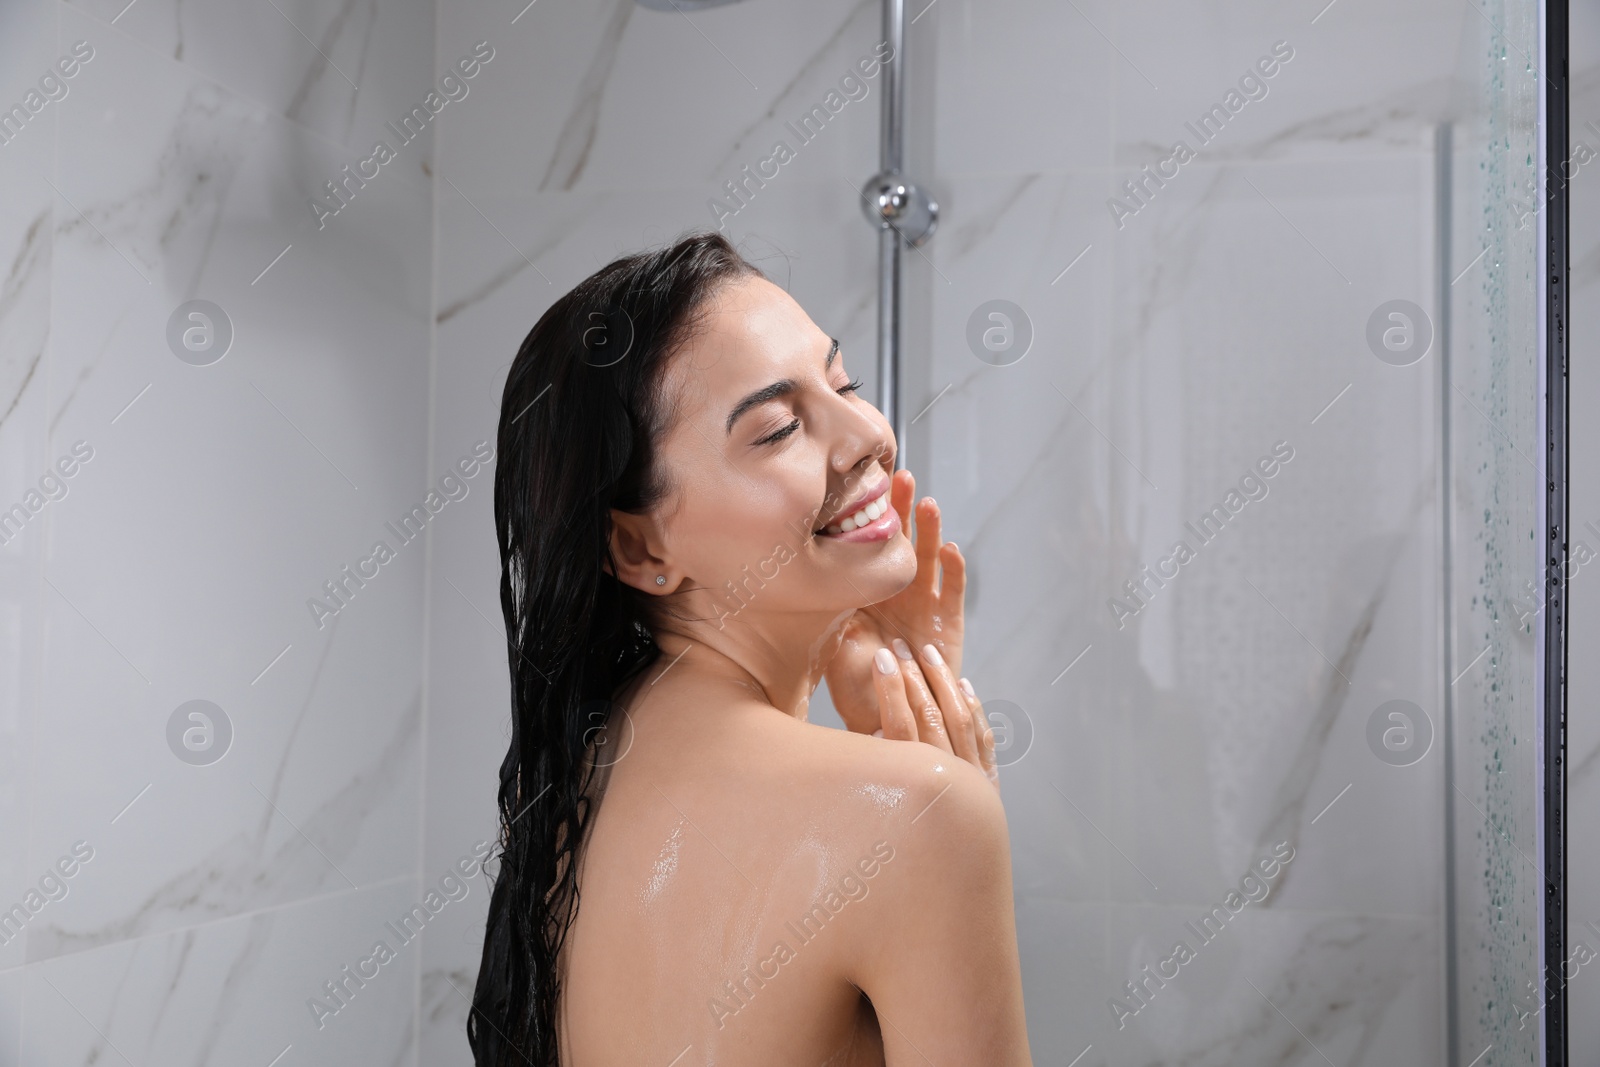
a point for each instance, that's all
(772, 439)
(794, 424)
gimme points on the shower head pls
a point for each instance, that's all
(683, 5)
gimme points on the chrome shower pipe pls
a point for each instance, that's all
(902, 212)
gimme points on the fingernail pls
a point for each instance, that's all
(902, 650)
(878, 732)
(966, 687)
(884, 661)
(932, 501)
(932, 655)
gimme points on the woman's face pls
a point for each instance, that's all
(772, 444)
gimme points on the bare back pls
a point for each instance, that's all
(740, 869)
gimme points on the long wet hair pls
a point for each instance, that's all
(581, 414)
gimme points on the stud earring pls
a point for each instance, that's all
(661, 579)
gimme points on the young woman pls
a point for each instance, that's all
(699, 520)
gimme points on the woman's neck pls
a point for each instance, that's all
(780, 665)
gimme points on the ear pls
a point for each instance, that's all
(636, 548)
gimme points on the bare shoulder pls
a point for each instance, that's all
(933, 941)
(938, 815)
(931, 920)
(942, 817)
(913, 782)
(854, 789)
(778, 777)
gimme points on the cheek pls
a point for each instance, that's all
(742, 523)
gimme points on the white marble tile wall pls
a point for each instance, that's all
(214, 495)
(27, 50)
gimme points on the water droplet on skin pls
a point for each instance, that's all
(885, 798)
(665, 866)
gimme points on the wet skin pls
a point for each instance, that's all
(758, 889)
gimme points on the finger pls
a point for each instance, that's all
(949, 616)
(930, 720)
(930, 522)
(952, 579)
(902, 490)
(899, 724)
(927, 544)
(957, 712)
(985, 732)
(988, 741)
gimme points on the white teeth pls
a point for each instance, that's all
(871, 513)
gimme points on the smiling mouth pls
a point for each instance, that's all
(861, 517)
(864, 515)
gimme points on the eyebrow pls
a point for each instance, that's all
(781, 387)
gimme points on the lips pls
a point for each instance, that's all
(867, 508)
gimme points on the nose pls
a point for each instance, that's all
(861, 435)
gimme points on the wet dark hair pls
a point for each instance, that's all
(583, 409)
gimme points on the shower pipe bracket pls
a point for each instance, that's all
(890, 202)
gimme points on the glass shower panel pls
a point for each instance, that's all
(1255, 582)
(1494, 599)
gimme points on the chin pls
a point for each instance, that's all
(889, 571)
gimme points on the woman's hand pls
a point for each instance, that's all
(924, 702)
(931, 610)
